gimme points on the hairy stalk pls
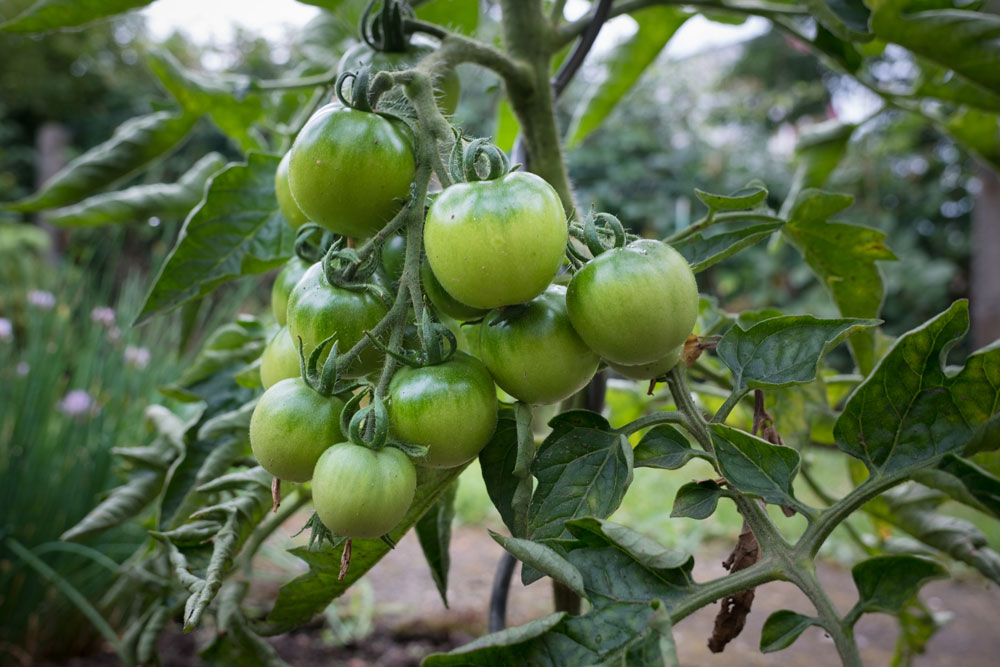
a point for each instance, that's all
(765, 570)
(728, 406)
(694, 420)
(669, 417)
(804, 576)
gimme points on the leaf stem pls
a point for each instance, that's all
(667, 417)
(694, 421)
(729, 405)
(804, 576)
(718, 218)
(765, 570)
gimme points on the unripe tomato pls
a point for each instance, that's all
(634, 305)
(450, 408)
(446, 87)
(280, 359)
(293, 214)
(350, 171)
(394, 256)
(283, 284)
(444, 302)
(536, 356)
(496, 242)
(359, 492)
(318, 310)
(291, 426)
(652, 370)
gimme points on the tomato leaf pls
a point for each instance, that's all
(782, 628)
(309, 594)
(52, 14)
(236, 230)
(510, 494)
(459, 15)
(134, 144)
(704, 249)
(696, 500)
(910, 411)
(979, 131)
(781, 351)
(843, 256)
(847, 19)
(142, 202)
(434, 532)
(755, 466)
(623, 67)
(663, 446)
(583, 468)
(544, 559)
(818, 152)
(747, 198)
(886, 583)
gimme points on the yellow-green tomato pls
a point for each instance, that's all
(650, 371)
(443, 302)
(634, 305)
(497, 242)
(280, 360)
(450, 408)
(350, 171)
(535, 355)
(317, 310)
(291, 426)
(362, 493)
(293, 214)
(282, 287)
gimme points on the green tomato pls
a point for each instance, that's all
(280, 360)
(652, 370)
(536, 356)
(446, 88)
(444, 302)
(496, 243)
(350, 170)
(318, 310)
(394, 256)
(293, 214)
(283, 284)
(291, 426)
(634, 305)
(362, 493)
(450, 408)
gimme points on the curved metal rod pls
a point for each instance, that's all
(500, 593)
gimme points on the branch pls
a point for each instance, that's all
(572, 64)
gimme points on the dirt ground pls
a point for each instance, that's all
(411, 621)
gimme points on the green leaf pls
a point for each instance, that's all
(944, 84)
(228, 101)
(784, 350)
(230, 345)
(965, 41)
(134, 144)
(782, 628)
(965, 482)
(843, 256)
(236, 230)
(459, 15)
(140, 203)
(623, 67)
(747, 198)
(544, 559)
(52, 14)
(979, 131)
(704, 249)
(309, 594)
(507, 126)
(818, 152)
(510, 494)
(910, 412)
(663, 446)
(847, 19)
(886, 583)
(755, 466)
(696, 500)
(434, 532)
(583, 469)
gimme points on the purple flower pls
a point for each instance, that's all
(6, 329)
(137, 356)
(103, 315)
(76, 402)
(42, 299)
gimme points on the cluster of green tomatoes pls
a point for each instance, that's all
(496, 249)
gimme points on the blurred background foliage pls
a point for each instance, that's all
(75, 379)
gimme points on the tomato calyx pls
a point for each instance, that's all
(438, 345)
(325, 381)
(312, 242)
(348, 269)
(465, 164)
(385, 31)
(368, 426)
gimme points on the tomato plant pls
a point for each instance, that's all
(750, 396)
(280, 359)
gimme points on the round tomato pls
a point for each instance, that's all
(351, 170)
(293, 214)
(497, 242)
(652, 370)
(450, 408)
(394, 256)
(359, 492)
(446, 87)
(535, 355)
(291, 426)
(283, 284)
(444, 302)
(318, 310)
(280, 359)
(634, 305)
